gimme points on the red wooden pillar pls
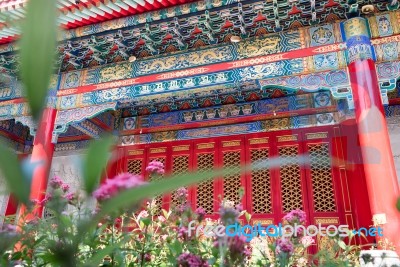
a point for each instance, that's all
(42, 155)
(380, 173)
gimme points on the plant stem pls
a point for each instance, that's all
(144, 245)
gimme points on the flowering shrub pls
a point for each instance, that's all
(152, 236)
(113, 186)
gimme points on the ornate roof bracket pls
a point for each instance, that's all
(28, 121)
(77, 115)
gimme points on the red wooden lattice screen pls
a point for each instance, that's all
(310, 182)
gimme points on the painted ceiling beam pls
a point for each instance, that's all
(89, 128)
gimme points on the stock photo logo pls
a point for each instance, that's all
(251, 231)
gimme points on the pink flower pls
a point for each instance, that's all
(143, 214)
(191, 260)
(283, 245)
(46, 199)
(307, 241)
(161, 218)
(296, 216)
(113, 186)
(56, 182)
(65, 187)
(155, 167)
(239, 207)
(70, 197)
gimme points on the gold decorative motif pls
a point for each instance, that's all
(203, 57)
(180, 148)
(327, 220)
(135, 166)
(285, 138)
(230, 143)
(205, 145)
(355, 27)
(321, 178)
(276, 124)
(292, 197)
(260, 183)
(180, 166)
(263, 221)
(135, 152)
(259, 47)
(311, 136)
(205, 190)
(254, 141)
(232, 183)
(152, 177)
(113, 72)
(158, 150)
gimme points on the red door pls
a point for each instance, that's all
(299, 173)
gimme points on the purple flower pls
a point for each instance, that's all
(113, 186)
(296, 216)
(147, 257)
(201, 213)
(181, 208)
(8, 228)
(155, 167)
(182, 193)
(191, 260)
(238, 248)
(229, 215)
(183, 232)
(283, 245)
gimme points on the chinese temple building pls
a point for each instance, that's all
(310, 86)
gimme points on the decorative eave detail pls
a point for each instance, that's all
(66, 117)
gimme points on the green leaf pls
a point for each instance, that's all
(398, 204)
(248, 216)
(342, 245)
(38, 46)
(94, 162)
(12, 172)
(146, 221)
(101, 254)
